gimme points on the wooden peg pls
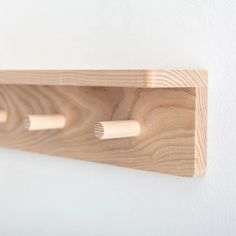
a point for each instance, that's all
(44, 122)
(3, 116)
(117, 129)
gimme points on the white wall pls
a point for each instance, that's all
(42, 195)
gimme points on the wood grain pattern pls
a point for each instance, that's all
(170, 106)
(108, 78)
(200, 131)
(167, 118)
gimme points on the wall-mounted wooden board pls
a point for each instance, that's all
(170, 105)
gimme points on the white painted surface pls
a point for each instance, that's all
(40, 195)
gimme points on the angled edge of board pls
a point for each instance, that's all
(107, 78)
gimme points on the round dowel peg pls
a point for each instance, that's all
(117, 129)
(3, 116)
(44, 122)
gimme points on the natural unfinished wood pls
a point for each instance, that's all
(117, 129)
(44, 122)
(170, 106)
(3, 116)
(200, 130)
(108, 78)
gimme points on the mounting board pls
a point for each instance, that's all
(170, 106)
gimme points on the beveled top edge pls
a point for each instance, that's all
(146, 78)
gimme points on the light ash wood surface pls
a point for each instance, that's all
(3, 116)
(108, 78)
(44, 122)
(117, 129)
(171, 107)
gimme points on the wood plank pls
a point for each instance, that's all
(107, 78)
(167, 117)
(200, 131)
(170, 105)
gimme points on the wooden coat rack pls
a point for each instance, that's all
(152, 120)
